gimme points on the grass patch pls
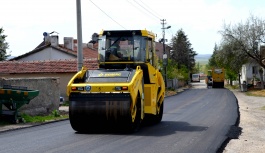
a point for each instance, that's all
(66, 103)
(256, 92)
(2, 123)
(170, 92)
(263, 108)
(250, 92)
(55, 115)
(228, 86)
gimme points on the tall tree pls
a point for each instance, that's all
(3, 46)
(182, 54)
(212, 61)
(248, 35)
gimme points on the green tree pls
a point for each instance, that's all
(172, 69)
(212, 61)
(182, 53)
(3, 46)
(174, 72)
(248, 36)
(231, 57)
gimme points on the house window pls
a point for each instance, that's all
(254, 70)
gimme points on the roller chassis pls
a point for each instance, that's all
(119, 94)
(103, 109)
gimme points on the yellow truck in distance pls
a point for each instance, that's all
(215, 78)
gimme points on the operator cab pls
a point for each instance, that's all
(118, 49)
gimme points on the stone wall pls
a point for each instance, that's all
(48, 98)
(64, 79)
(172, 84)
(175, 83)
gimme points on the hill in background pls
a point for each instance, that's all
(202, 58)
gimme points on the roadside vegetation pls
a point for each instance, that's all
(3, 46)
(3, 123)
(250, 92)
(55, 115)
(256, 92)
(241, 44)
(231, 87)
(182, 58)
(66, 103)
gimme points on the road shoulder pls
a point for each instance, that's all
(252, 122)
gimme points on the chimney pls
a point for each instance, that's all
(90, 45)
(46, 38)
(75, 43)
(69, 42)
(54, 40)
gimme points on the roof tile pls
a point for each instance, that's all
(50, 66)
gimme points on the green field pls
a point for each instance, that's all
(202, 58)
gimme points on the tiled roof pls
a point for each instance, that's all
(88, 53)
(50, 66)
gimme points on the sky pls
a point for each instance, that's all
(24, 21)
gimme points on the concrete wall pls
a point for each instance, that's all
(64, 79)
(175, 83)
(172, 83)
(49, 93)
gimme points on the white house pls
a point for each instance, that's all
(50, 49)
(250, 70)
(250, 73)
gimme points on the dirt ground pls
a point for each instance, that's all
(252, 122)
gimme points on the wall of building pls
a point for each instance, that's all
(49, 93)
(47, 54)
(247, 73)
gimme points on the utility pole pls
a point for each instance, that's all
(199, 67)
(79, 36)
(165, 58)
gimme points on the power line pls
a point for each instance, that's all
(140, 10)
(149, 8)
(146, 9)
(107, 15)
(152, 13)
(149, 12)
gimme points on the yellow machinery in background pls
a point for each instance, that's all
(215, 78)
(125, 90)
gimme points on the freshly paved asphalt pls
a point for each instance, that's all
(196, 120)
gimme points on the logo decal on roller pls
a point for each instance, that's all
(88, 88)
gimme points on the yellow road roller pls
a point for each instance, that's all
(126, 89)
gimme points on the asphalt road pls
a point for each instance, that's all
(196, 120)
